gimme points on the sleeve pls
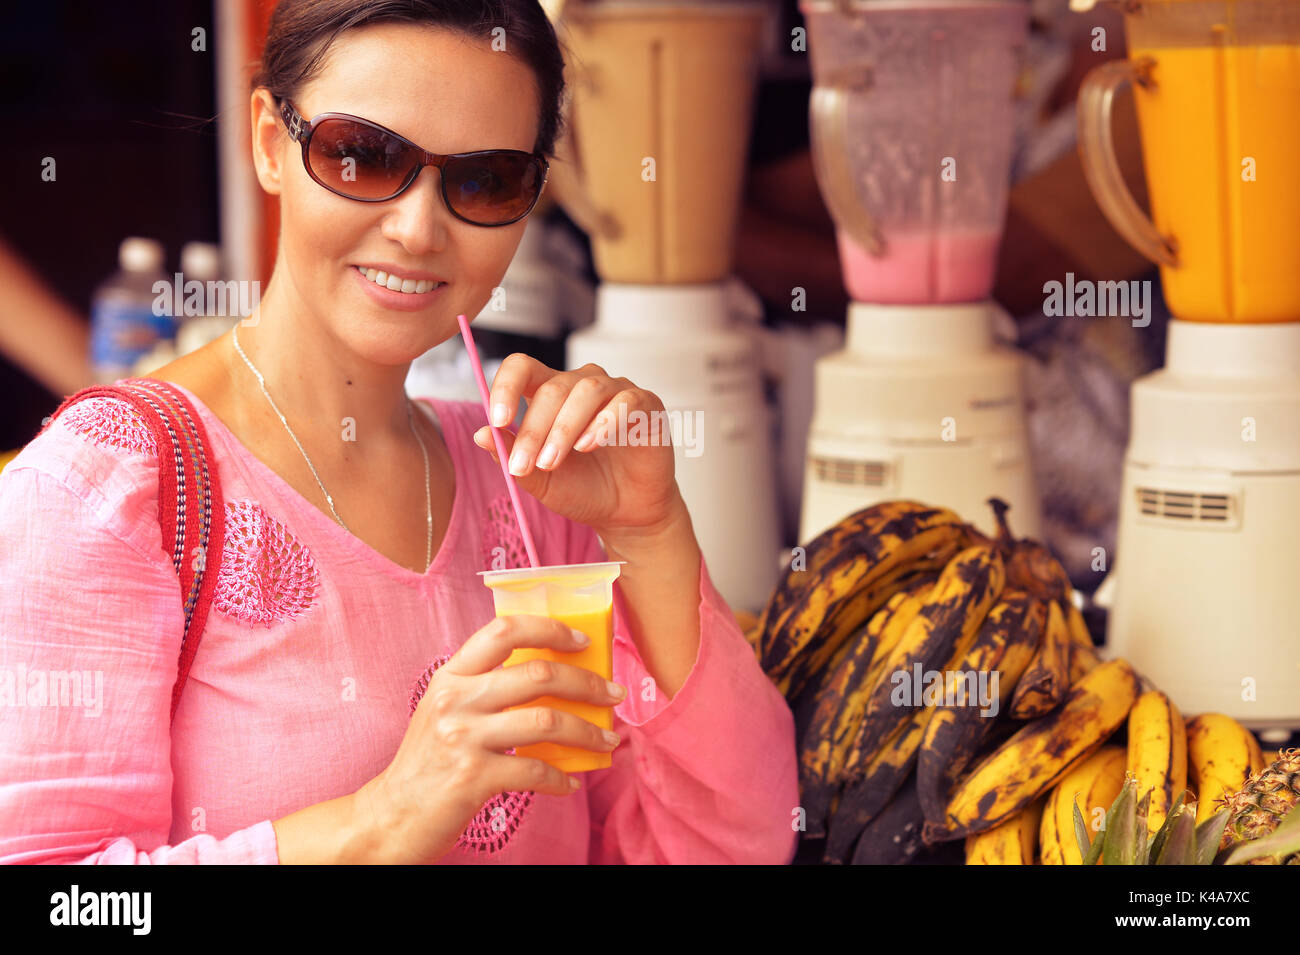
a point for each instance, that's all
(710, 776)
(90, 633)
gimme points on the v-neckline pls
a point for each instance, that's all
(328, 524)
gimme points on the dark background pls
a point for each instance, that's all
(115, 94)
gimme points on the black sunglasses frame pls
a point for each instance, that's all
(301, 130)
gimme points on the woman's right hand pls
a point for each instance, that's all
(453, 758)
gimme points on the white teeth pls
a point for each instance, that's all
(409, 286)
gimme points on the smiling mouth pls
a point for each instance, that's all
(395, 284)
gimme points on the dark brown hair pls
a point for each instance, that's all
(302, 31)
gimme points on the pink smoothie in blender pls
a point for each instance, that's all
(912, 122)
(932, 267)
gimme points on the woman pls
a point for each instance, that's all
(356, 523)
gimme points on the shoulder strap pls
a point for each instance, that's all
(190, 507)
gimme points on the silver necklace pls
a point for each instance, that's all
(410, 417)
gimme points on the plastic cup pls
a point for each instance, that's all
(581, 596)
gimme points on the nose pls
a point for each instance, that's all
(419, 217)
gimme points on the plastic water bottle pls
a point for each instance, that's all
(124, 323)
(201, 262)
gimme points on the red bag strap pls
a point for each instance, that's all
(191, 510)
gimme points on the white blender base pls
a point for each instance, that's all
(921, 404)
(1206, 599)
(683, 343)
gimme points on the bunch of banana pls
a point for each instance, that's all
(834, 726)
(878, 637)
(935, 645)
(1007, 640)
(845, 575)
(1040, 754)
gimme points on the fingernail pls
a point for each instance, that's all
(500, 415)
(615, 690)
(547, 457)
(518, 461)
(611, 738)
(584, 442)
(580, 638)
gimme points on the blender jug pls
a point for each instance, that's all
(652, 165)
(912, 114)
(1217, 86)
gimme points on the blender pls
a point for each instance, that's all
(1202, 594)
(652, 168)
(912, 123)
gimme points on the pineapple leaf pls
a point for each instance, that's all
(1142, 851)
(1208, 836)
(1179, 845)
(1282, 842)
(1081, 836)
(1121, 822)
(1158, 843)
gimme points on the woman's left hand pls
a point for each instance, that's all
(614, 483)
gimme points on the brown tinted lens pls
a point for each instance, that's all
(493, 187)
(358, 160)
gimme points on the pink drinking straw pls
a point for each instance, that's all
(500, 441)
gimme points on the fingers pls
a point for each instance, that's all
(524, 682)
(561, 406)
(520, 774)
(489, 646)
(544, 724)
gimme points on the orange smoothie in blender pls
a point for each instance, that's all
(1220, 143)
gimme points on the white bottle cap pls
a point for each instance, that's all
(201, 261)
(140, 255)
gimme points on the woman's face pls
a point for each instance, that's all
(443, 92)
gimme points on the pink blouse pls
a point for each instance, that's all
(313, 656)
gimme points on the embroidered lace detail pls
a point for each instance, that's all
(500, 818)
(266, 575)
(110, 422)
(501, 530)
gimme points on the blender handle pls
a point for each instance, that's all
(570, 190)
(568, 185)
(828, 118)
(1101, 168)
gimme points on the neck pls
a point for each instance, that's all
(321, 386)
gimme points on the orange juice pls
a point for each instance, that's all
(598, 657)
(1215, 117)
(581, 596)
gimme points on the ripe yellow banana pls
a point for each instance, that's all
(1157, 753)
(1011, 843)
(1039, 755)
(1221, 755)
(1094, 784)
(1044, 684)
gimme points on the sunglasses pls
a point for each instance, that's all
(358, 159)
